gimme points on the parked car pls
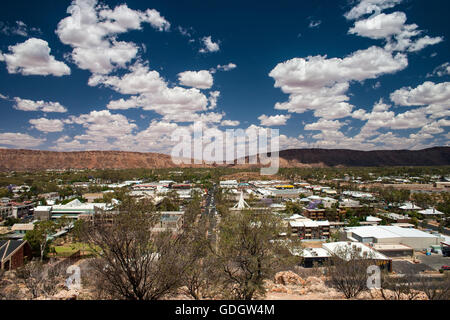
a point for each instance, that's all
(444, 268)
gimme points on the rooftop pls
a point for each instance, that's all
(381, 232)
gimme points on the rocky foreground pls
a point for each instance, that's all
(285, 286)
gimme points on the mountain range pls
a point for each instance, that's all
(30, 160)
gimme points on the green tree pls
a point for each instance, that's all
(38, 237)
(248, 252)
(132, 262)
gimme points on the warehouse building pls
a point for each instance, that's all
(416, 239)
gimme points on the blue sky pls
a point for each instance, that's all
(123, 75)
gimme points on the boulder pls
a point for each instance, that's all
(288, 278)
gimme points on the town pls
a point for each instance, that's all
(311, 221)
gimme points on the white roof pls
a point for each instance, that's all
(307, 223)
(381, 232)
(314, 252)
(295, 216)
(22, 226)
(430, 211)
(43, 208)
(410, 206)
(78, 205)
(373, 219)
(335, 247)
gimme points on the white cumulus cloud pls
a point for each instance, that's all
(30, 105)
(47, 125)
(209, 45)
(197, 79)
(91, 30)
(19, 140)
(32, 57)
(277, 120)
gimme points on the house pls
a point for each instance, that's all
(373, 221)
(410, 206)
(22, 228)
(91, 197)
(349, 203)
(395, 217)
(430, 212)
(52, 196)
(13, 254)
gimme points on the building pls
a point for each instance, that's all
(317, 256)
(229, 184)
(409, 207)
(430, 212)
(13, 254)
(286, 193)
(43, 213)
(371, 221)
(52, 196)
(21, 229)
(75, 208)
(349, 204)
(170, 221)
(6, 211)
(328, 202)
(314, 214)
(17, 210)
(307, 229)
(341, 249)
(416, 239)
(394, 250)
(91, 197)
(395, 217)
(314, 257)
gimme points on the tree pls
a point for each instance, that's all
(347, 270)
(39, 279)
(422, 199)
(201, 277)
(435, 289)
(248, 252)
(400, 287)
(167, 204)
(293, 208)
(38, 237)
(424, 223)
(134, 263)
(8, 289)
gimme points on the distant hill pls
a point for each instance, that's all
(23, 160)
(29, 160)
(437, 156)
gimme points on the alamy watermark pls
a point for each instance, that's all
(74, 280)
(374, 279)
(234, 146)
